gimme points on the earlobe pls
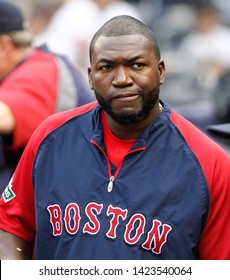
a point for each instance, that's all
(90, 84)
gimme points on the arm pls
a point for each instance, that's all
(6, 119)
(214, 242)
(13, 247)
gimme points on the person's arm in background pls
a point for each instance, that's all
(7, 120)
(13, 247)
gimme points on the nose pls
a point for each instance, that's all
(122, 77)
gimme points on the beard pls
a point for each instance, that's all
(148, 100)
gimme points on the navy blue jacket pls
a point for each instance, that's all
(160, 205)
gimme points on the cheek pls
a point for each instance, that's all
(148, 81)
(101, 83)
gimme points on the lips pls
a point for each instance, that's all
(125, 96)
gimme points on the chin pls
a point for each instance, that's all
(128, 117)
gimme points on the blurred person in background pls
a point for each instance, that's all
(206, 47)
(34, 83)
(73, 24)
(207, 54)
(195, 47)
(39, 13)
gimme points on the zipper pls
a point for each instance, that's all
(110, 185)
(113, 177)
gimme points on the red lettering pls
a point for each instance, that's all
(155, 236)
(130, 227)
(55, 218)
(72, 221)
(114, 222)
(92, 217)
(134, 229)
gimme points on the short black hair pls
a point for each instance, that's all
(125, 25)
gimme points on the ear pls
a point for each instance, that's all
(90, 78)
(161, 69)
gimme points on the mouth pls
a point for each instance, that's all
(126, 96)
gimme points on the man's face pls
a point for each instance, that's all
(125, 76)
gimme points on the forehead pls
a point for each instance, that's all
(126, 45)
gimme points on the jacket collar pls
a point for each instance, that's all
(142, 140)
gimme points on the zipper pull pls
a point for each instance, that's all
(110, 185)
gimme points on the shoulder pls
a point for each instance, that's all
(58, 119)
(194, 137)
(32, 69)
(212, 158)
(55, 121)
(41, 56)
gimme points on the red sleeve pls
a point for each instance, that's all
(30, 92)
(17, 215)
(215, 163)
(17, 205)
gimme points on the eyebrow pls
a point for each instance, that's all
(130, 60)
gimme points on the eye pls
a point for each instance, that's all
(105, 67)
(138, 65)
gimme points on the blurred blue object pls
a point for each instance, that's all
(5, 172)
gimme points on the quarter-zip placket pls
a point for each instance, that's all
(111, 176)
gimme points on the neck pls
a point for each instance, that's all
(14, 60)
(21, 54)
(133, 130)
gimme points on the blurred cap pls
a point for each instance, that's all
(222, 130)
(220, 133)
(11, 18)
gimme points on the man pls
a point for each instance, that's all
(124, 178)
(34, 84)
